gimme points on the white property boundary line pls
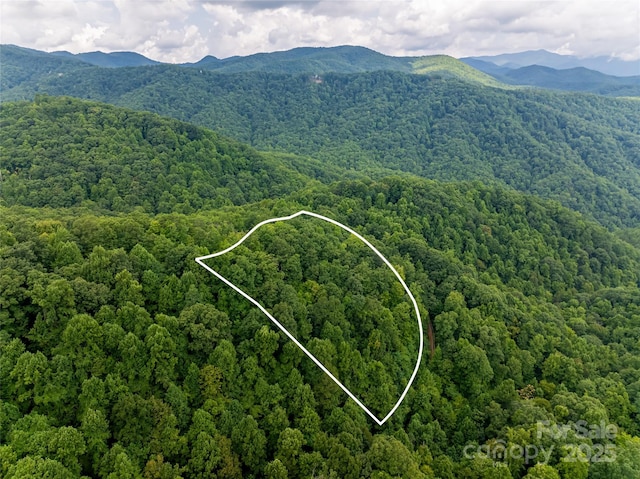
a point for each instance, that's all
(380, 422)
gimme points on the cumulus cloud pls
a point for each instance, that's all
(186, 30)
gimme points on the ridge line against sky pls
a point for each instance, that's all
(177, 31)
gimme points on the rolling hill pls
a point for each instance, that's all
(571, 79)
(110, 158)
(353, 59)
(111, 60)
(581, 150)
(121, 357)
(343, 59)
(452, 68)
(606, 65)
(26, 66)
(575, 79)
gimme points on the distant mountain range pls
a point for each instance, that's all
(444, 121)
(540, 69)
(512, 61)
(353, 59)
(343, 59)
(573, 79)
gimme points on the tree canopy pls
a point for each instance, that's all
(121, 357)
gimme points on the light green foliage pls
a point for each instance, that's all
(542, 471)
(276, 470)
(626, 463)
(388, 455)
(450, 67)
(45, 468)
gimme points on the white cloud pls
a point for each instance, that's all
(87, 38)
(54, 25)
(186, 30)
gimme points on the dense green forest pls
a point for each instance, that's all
(66, 152)
(120, 357)
(581, 150)
(24, 66)
(28, 68)
(310, 60)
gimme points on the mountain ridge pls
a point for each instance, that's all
(122, 357)
(608, 65)
(575, 148)
(577, 78)
(355, 59)
(573, 79)
(343, 59)
(110, 60)
(199, 168)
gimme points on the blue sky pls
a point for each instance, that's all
(187, 30)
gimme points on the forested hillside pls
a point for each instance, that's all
(121, 357)
(569, 73)
(581, 150)
(21, 66)
(61, 152)
(343, 59)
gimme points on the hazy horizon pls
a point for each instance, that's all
(181, 31)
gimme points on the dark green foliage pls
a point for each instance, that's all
(343, 59)
(113, 59)
(580, 150)
(121, 357)
(65, 152)
(23, 65)
(535, 314)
